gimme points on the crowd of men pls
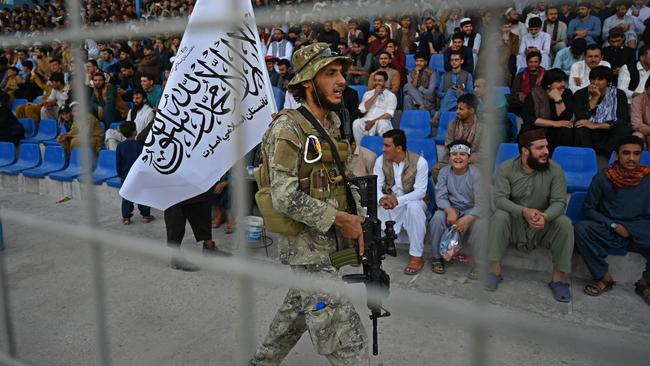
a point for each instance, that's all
(577, 75)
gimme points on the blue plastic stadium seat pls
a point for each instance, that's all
(424, 147)
(47, 130)
(38, 100)
(645, 158)
(373, 143)
(106, 167)
(54, 160)
(574, 208)
(30, 126)
(410, 62)
(73, 170)
(114, 182)
(513, 125)
(506, 151)
(360, 89)
(437, 61)
(115, 125)
(505, 90)
(18, 102)
(444, 121)
(579, 165)
(29, 157)
(7, 153)
(278, 95)
(416, 123)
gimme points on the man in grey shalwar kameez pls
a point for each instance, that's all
(458, 201)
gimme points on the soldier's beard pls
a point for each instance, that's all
(321, 99)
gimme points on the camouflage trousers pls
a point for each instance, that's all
(333, 324)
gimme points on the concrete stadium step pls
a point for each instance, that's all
(625, 269)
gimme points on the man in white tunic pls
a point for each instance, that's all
(379, 105)
(535, 40)
(402, 178)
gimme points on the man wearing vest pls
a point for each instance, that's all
(280, 48)
(420, 85)
(303, 196)
(556, 28)
(632, 78)
(402, 178)
(454, 83)
(472, 40)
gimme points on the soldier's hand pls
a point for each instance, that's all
(350, 227)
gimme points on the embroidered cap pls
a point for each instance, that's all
(309, 60)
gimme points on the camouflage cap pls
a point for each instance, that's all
(309, 60)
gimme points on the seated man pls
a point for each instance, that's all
(535, 40)
(566, 57)
(420, 85)
(457, 198)
(363, 160)
(465, 127)
(579, 75)
(640, 115)
(72, 138)
(457, 46)
(530, 198)
(601, 113)
(379, 105)
(551, 107)
(392, 82)
(401, 188)
(616, 217)
(525, 81)
(454, 83)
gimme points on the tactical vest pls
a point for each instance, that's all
(319, 180)
(408, 174)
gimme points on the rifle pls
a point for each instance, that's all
(377, 281)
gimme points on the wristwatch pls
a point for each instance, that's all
(558, 101)
(613, 225)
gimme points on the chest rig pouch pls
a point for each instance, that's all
(318, 176)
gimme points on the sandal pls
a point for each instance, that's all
(126, 221)
(415, 266)
(230, 225)
(639, 289)
(437, 266)
(492, 281)
(595, 289)
(147, 219)
(561, 291)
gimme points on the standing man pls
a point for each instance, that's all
(379, 106)
(401, 188)
(530, 198)
(616, 217)
(334, 326)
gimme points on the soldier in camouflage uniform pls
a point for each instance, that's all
(331, 320)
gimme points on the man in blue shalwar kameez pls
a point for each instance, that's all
(616, 209)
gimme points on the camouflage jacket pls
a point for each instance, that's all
(283, 146)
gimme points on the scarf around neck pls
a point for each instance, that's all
(622, 178)
(526, 84)
(606, 109)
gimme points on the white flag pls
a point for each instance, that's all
(194, 138)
